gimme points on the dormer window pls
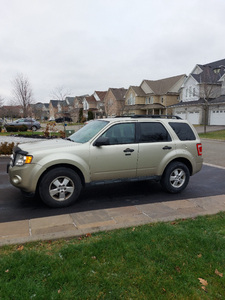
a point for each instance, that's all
(216, 70)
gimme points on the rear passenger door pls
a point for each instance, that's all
(155, 145)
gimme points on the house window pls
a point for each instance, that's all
(147, 100)
(194, 92)
(189, 91)
(131, 100)
(151, 100)
(162, 100)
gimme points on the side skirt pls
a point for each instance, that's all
(133, 179)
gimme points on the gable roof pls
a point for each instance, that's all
(118, 93)
(70, 100)
(90, 99)
(101, 94)
(211, 72)
(163, 86)
(138, 91)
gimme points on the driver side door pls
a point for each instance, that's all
(118, 159)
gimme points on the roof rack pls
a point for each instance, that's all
(152, 116)
(156, 116)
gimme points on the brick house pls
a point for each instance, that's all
(115, 102)
(153, 97)
(95, 104)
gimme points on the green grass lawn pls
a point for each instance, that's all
(175, 260)
(217, 135)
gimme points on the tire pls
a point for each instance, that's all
(33, 128)
(175, 177)
(60, 187)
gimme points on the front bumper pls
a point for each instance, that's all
(25, 177)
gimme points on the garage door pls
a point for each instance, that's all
(181, 115)
(217, 117)
(193, 117)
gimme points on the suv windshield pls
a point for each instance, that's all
(87, 132)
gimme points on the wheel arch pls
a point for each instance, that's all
(183, 160)
(74, 168)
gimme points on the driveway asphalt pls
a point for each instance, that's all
(82, 223)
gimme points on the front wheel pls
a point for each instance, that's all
(175, 177)
(60, 187)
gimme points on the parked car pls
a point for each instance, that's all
(62, 119)
(32, 124)
(106, 151)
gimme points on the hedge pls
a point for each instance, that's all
(16, 128)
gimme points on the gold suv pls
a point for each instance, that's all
(106, 151)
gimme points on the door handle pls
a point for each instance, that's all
(128, 150)
(167, 148)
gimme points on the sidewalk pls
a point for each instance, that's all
(82, 223)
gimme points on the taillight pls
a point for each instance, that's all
(199, 149)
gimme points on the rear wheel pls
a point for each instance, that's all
(175, 177)
(60, 187)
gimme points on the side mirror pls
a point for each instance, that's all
(102, 141)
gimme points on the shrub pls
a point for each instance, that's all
(16, 128)
(6, 148)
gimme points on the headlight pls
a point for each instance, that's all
(22, 159)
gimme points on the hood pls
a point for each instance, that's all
(46, 145)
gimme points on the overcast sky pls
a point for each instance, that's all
(91, 45)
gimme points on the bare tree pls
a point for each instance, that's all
(1, 101)
(209, 89)
(60, 92)
(22, 92)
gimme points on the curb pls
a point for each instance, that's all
(87, 222)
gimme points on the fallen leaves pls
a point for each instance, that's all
(20, 248)
(218, 273)
(204, 283)
(177, 269)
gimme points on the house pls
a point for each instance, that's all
(40, 110)
(11, 111)
(78, 108)
(153, 97)
(55, 108)
(115, 102)
(94, 104)
(202, 95)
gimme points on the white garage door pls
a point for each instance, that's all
(217, 117)
(193, 117)
(181, 115)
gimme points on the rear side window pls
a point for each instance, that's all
(152, 132)
(183, 131)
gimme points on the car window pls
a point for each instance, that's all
(121, 134)
(87, 132)
(152, 132)
(183, 131)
